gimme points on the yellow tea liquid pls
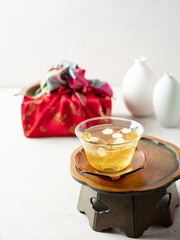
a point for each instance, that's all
(107, 149)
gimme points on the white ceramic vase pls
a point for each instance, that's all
(166, 100)
(137, 88)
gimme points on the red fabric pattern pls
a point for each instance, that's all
(57, 113)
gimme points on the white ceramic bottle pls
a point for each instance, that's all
(166, 100)
(137, 88)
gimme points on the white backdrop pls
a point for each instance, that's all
(102, 36)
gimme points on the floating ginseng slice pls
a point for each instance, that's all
(126, 130)
(107, 131)
(117, 135)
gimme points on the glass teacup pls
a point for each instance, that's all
(109, 142)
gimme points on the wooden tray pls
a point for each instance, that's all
(162, 169)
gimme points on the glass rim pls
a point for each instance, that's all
(108, 117)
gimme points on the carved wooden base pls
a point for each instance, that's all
(131, 214)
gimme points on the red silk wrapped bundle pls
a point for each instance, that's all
(61, 100)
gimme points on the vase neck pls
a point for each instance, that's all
(168, 74)
(140, 60)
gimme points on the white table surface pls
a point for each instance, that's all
(38, 196)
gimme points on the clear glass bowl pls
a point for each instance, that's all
(109, 157)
